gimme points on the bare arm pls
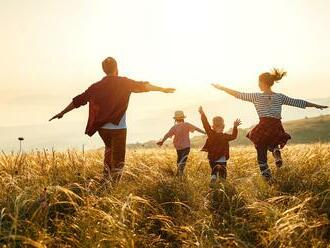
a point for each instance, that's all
(151, 87)
(227, 90)
(234, 133)
(63, 112)
(248, 97)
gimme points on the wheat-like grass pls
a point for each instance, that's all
(58, 199)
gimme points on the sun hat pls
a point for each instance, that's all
(179, 115)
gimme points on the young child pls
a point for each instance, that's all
(180, 131)
(269, 134)
(217, 144)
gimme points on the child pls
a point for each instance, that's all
(217, 144)
(180, 131)
(269, 134)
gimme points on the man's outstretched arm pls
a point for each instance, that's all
(77, 101)
(151, 87)
(63, 112)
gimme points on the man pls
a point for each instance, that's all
(108, 101)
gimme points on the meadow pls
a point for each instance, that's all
(58, 199)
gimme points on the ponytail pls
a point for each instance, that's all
(271, 77)
(277, 74)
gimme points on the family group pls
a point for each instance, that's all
(109, 98)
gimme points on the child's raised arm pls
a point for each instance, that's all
(234, 133)
(205, 122)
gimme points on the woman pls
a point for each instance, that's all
(269, 134)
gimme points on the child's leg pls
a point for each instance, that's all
(262, 161)
(213, 171)
(277, 155)
(182, 160)
(223, 170)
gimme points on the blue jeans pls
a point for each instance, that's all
(262, 160)
(182, 157)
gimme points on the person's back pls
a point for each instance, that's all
(217, 144)
(181, 132)
(108, 101)
(269, 105)
(181, 141)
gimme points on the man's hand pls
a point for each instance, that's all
(168, 90)
(237, 123)
(200, 110)
(160, 143)
(218, 86)
(58, 116)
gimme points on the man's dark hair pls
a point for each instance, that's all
(109, 65)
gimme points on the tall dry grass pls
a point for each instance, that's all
(51, 199)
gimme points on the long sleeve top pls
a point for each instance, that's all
(108, 100)
(217, 144)
(181, 131)
(270, 105)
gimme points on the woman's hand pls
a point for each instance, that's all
(237, 123)
(218, 86)
(160, 143)
(321, 106)
(314, 105)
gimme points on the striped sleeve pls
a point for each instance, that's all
(249, 97)
(293, 102)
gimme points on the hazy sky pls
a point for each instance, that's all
(51, 50)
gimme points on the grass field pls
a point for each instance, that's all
(51, 199)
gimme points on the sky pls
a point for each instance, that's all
(51, 50)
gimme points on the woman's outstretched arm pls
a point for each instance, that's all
(248, 97)
(300, 103)
(227, 90)
(314, 105)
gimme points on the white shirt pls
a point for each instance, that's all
(121, 125)
(221, 160)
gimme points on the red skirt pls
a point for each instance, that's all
(269, 132)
